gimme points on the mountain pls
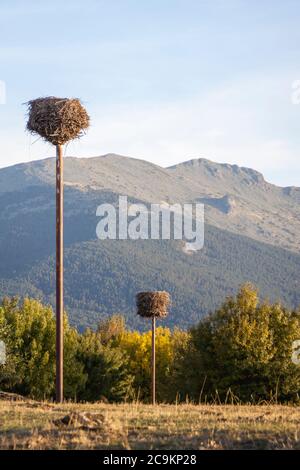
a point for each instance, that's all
(236, 199)
(251, 234)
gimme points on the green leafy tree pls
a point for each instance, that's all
(75, 377)
(106, 368)
(110, 328)
(245, 347)
(28, 330)
(8, 372)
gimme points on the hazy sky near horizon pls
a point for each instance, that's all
(163, 80)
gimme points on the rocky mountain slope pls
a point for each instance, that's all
(252, 232)
(237, 199)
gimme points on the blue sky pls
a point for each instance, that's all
(163, 80)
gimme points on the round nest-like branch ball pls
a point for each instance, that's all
(57, 120)
(153, 304)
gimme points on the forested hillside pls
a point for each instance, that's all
(102, 277)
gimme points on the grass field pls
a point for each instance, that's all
(32, 425)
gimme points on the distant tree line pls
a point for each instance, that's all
(239, 353)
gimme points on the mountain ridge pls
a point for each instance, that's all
(262, 210)
(258, 176)
(102, 277)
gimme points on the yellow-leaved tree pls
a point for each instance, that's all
(170, 346)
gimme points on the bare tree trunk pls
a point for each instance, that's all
(153, 361)
(59, 274)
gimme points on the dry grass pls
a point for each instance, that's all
(30, 425)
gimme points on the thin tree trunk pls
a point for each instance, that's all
(59, 274)
(153, 361)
